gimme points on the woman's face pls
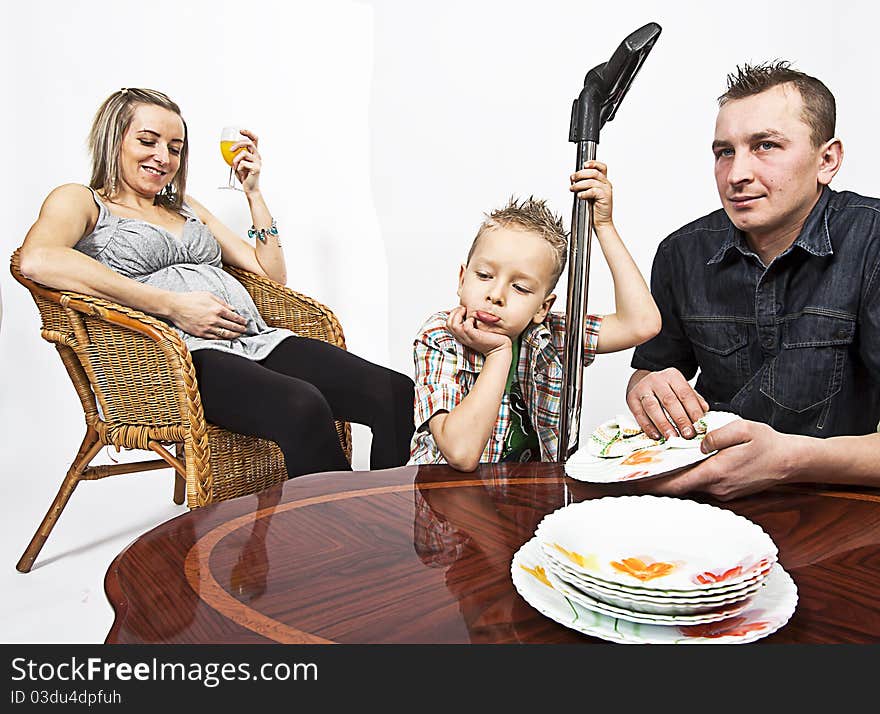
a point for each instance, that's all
(149, 156)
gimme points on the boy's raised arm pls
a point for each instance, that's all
(636, 318)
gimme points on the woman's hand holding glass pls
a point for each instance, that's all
(239, 149)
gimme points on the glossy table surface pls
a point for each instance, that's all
(422, 555)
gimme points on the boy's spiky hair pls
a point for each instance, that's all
(533, 215)
(819, 112)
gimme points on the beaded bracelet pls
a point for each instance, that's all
(263, 232)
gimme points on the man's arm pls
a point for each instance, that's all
(753, 456)
(658, 394)
(635, 379)
(651, 396)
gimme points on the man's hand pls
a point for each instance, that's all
(466, 329)
(662, 396)
(751, 457)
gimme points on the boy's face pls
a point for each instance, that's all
(505, 285)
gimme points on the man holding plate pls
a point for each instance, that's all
(775, 299)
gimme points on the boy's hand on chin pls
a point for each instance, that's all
(471, 333)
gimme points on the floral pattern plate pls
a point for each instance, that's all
(656, 460)
(640, 465)
(586, 582)
(657, 543)
(642, 612)
(648, 604)
(769, 610)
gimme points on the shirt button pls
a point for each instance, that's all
(768, 342)
(842, 334)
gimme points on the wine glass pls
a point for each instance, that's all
(229, 136)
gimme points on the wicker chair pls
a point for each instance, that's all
(135, 379)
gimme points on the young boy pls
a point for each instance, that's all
(489, 372)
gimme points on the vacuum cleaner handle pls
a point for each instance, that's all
(604, 88)
(606, 84)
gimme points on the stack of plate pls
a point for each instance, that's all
(655, 569)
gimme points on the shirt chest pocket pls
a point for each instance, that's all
(808, 371)
(548, 375)
(721, 348)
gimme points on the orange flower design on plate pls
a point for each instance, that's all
(588, 562)
(638, 568)
(760, 565)
(538, 572)
(634, 474)
(731, 627)
(644, 456)
(708, 576)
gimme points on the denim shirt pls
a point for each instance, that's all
(795, 344)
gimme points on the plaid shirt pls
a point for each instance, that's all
(446, 371)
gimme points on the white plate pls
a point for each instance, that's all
(708, 593)
(675, 454)
(652, 463)
(654, 605)
(770, 609)
(657, 542)
(647, 617)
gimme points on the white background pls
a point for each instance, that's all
(388, 128)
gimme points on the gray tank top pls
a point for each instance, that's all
(150, 254)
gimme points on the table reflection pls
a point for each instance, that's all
(248, 577)
(456, 530)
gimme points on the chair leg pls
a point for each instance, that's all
(89, 449)
(179, 489)
(179, 481)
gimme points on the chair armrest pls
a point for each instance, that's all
(138, 367)
(135, 366)
(282, 307)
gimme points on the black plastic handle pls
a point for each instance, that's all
(606, 84)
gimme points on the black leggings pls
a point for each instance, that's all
(293, 396)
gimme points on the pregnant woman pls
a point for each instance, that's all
(133, 236)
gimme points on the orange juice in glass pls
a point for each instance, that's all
(229, 136)
(228, 153)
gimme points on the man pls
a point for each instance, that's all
(775, 299)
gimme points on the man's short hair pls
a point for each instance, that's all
(533, 215)
(820, 112)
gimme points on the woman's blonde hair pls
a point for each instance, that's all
(105, 139)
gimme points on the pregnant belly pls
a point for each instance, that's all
(207, 278)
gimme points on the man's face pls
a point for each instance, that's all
(504, 286)
(767, 170)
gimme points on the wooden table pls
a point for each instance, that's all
(422, 555)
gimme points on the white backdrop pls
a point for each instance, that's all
(388, 128)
